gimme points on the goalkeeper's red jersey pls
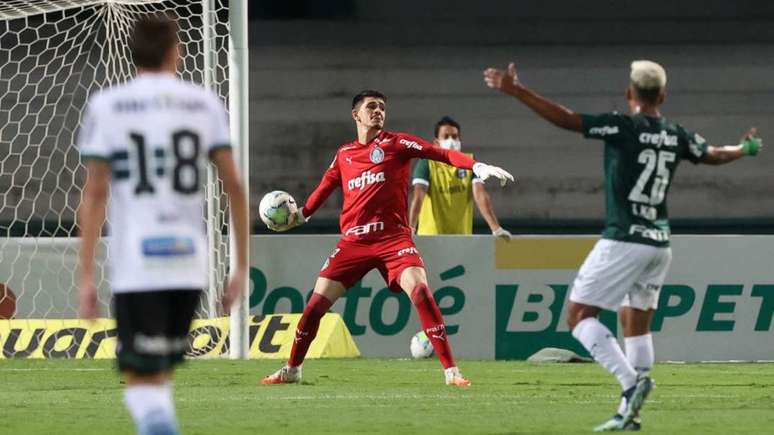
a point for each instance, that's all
(374, 178)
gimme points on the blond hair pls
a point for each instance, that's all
(647, 75)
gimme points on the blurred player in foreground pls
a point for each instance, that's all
(373, 172)
(442, 199)
(628, 265)
(149, 141)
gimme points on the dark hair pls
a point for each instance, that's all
(649, 95)
(446, 120)
(151, 39)
(367, 93)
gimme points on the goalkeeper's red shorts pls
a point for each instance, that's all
(350, 261)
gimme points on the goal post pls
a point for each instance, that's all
(54, 54)
(239, 91)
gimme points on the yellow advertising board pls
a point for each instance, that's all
(271, 337)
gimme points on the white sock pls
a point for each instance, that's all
(604, 348)
(622, 406)
(152, 408)
(639, 351)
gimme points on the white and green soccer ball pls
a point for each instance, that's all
(276, 209)
(421, 346)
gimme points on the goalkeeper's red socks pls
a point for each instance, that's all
(307, 328)
(432, 323)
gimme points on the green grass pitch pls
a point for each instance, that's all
(388, 397)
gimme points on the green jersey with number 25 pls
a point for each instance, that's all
(641, 155)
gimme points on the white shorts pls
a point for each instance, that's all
(619, 274)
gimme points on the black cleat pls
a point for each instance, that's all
(635, 398)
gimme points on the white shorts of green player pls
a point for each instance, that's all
(621, 274)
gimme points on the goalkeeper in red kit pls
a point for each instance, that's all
(373, 173)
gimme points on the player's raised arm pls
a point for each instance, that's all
(419, 148)
(750, 145)
(507, 81)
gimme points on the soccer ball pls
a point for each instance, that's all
(421, 346)
(276, 209)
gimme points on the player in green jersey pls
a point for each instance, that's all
(625, 270)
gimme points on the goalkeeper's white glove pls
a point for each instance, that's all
(502, 233)
(484, 171)
(297, 219)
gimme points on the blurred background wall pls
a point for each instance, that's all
(308, 58)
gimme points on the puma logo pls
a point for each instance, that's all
(438, 332)
(299, 335)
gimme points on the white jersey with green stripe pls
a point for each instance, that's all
(156, 132)
(641, 156)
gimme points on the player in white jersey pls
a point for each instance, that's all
(149, 141)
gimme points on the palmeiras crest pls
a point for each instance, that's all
(377, 155)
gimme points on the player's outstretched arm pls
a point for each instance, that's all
(484, 204)
(421, 149)
(750, 145)
(484, 171)
(233, 187)
(91, 217)
(507, 81)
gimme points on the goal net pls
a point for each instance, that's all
(53, 55)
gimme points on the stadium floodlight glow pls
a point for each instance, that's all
(53, 55)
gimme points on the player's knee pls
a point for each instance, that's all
(636, 321)
(328, 288)
(571, 322)
(318, 305)
(411, 277)
(421, 293)
(132, 377)
(579, 312)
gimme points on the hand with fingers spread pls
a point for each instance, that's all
(506, 81)
(484, 171)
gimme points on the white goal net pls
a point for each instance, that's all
(53, 55)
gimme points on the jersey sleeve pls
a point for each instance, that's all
(606, 126)
(330, 181)
(221, 133)
(694, 148)
(421, 173)
(415, 147)
(92, 138)
(476, 179)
